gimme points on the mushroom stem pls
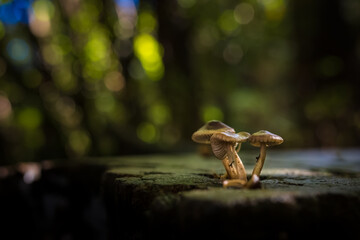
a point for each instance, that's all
(254, 182)
(239, 166)
(230, 170)
(234, 183)
(260, 161)
(238, 147)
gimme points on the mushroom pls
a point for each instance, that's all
(223, 146)
(204, 134)
(263, 139)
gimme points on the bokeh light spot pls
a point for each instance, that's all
(12, 12)
(52, 54)
(147, 132)
(212, 113)
(105, 103)
(146, 22)
(114, 81)
(30, 118)
(148, 50)
(40, 28)
(84, 19)
(43, 10)
(30, 171)
(124, 29)
(274, 9)
(227, 22)
(64, 80)
(207, 36)
(79, 142)
(244, 13)
(96, 49)
(94, 71)
(159, 113)
(18, 50)
(127, 3)
(66, 111)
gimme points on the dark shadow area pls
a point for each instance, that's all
(62, 202)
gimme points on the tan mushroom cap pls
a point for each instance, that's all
(204, 134)
(232, 137)
(263, 136)
(218, 141)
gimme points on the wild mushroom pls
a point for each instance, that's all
(204, 134)
(263, 139)
(223, 146)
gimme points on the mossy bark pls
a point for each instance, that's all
(178, 196)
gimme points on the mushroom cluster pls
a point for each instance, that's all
(226, 143)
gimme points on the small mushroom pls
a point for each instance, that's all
(263, 139)
(223, 146)
(204, 134)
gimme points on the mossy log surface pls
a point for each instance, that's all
(175, 196)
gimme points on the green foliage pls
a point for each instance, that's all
(96, 78)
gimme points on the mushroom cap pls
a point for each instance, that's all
(232, 137)
(263, 136)
(204, 133)
(219, 140)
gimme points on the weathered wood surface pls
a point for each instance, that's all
(304, 193)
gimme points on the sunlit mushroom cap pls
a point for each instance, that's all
(204, 134)
(232, 137)
(263, 136)
(219, 140)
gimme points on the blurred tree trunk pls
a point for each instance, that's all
(179, 86)
(326, 63)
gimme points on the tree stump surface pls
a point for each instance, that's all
(303, 193)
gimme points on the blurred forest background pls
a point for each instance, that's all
(104, 78)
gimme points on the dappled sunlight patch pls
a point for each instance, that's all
(149, 52)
